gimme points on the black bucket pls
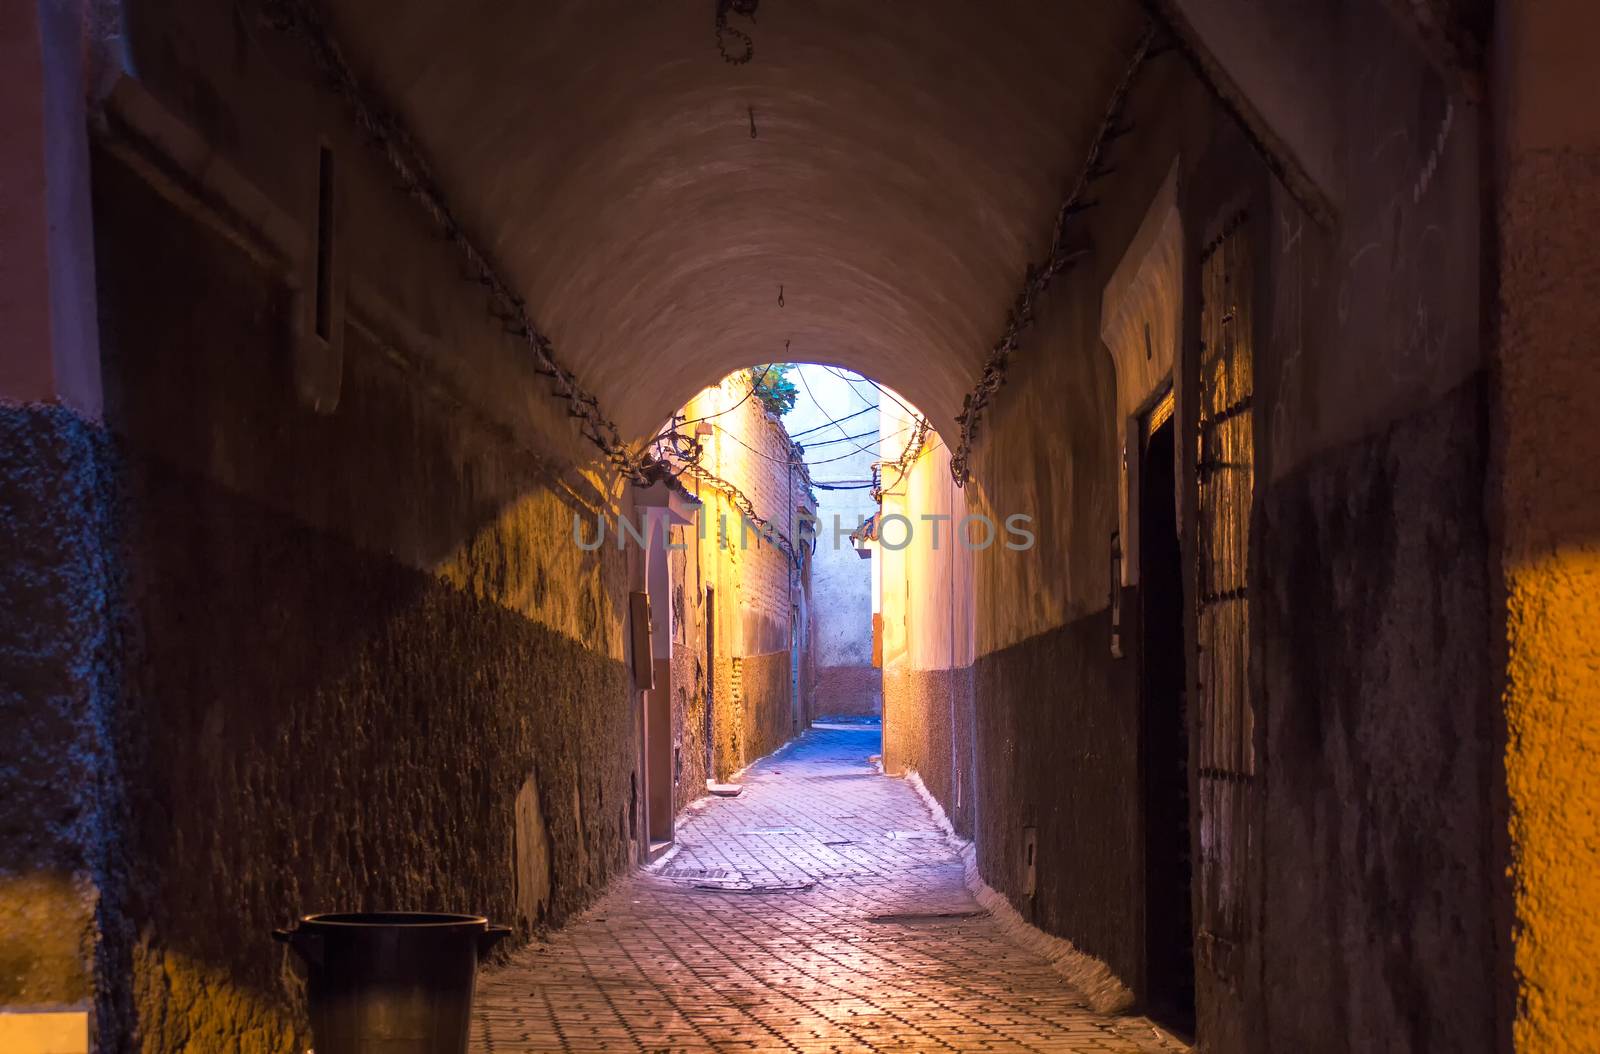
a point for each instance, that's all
(391, 982)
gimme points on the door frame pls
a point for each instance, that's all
(1158, 411)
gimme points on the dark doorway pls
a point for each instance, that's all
(711, 682)
(1169, 952)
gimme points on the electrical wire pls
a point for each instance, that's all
(842, 457)
(830, 442)
(696, 420)
(818, 403)
(799, 461)
(832, 421)
(881, 390)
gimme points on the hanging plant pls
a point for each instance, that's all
(774, 388)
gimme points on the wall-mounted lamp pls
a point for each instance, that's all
(681, 506)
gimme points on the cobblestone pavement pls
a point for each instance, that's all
(821, 910)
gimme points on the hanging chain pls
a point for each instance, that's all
(765, 527)
(304, 20)
(1038, 277)
(903, 463)
(686, 451)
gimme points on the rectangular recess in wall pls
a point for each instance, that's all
(323, 308)
(639, 635)
(1030, 861)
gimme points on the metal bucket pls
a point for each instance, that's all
(391, 982)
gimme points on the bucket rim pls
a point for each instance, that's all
(411, 920)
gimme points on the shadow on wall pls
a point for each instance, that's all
(308, 720)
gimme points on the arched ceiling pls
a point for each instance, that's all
(908, 162)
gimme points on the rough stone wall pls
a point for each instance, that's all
(361, 663)
(57, 789)
(1063, 765)
(928, 719)
(766, 718)
(848, 690)
(688, 687)
(752, 710)
(1545, 501)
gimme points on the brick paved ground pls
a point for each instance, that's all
(822, 910)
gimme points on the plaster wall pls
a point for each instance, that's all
(926, 553)
(359, 662)
(1546, 503)
(367, 664)
(1370, 461)
(1275, 69)
(890, 200)
(759, 596)
(842, 581)
(1141, 315)
(1371, 536)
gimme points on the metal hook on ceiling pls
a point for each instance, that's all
(780, 296)
(752, 122)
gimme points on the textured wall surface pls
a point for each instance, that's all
(1379, 879)
(1369, 390)
(1061, 756)
(335, 733)
(56, 783)
(760, 597)
(1056, 715)
(348, 644)
(848, 690)
(928, 728)
(765, 709)
(1547, 502)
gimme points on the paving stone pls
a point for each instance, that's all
(662, 964)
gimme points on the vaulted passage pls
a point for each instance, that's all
(1013, 526)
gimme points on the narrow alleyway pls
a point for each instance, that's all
(439, 441)
(821, 910)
